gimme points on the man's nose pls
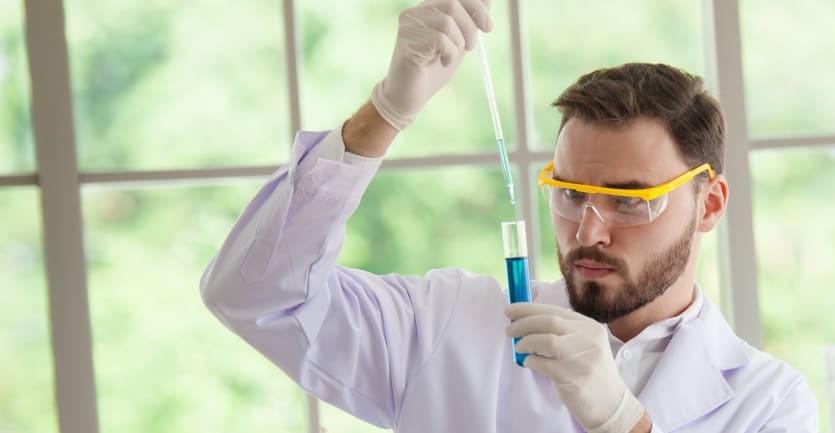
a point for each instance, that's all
(592, 229)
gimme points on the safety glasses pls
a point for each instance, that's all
(614, 206)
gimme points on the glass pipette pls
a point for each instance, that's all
(494, 114)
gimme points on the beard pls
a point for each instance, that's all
(590, 298)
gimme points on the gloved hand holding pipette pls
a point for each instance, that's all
(431, 41)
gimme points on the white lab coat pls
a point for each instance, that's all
(428, 353)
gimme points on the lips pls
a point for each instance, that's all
(592, 270)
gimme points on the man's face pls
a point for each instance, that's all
(613, 271)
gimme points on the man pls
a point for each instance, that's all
(625, 343)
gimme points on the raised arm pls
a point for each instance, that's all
(349, 337)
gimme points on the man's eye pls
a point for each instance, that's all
(628, 202)
(574, 195)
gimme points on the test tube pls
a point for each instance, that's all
(518, 271)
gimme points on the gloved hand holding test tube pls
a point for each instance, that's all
(518, 270)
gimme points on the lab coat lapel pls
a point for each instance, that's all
(688, 381)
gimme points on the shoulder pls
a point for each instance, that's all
(765, 368)
(775, 392)
(776, 375)
(764, 386)
(736, 357)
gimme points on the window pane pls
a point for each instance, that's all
(26, 378)
(569, 39)
(344, 58)
(786, 51)
(794, 235)
(163, 362)
(160, 85)
(16, 152)
(707, 272)
(413, 220)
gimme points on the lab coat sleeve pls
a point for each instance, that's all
(349, 337)
(797, 412)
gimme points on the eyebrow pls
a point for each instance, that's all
(632, 184)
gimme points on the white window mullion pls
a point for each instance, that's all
(521, 74)
(793, 142)
(723, 65)
(524, 122)
(61, 211)
(291, 48)
(19, 180)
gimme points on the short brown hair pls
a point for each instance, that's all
(616, 96)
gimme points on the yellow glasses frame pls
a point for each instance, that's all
(645, 193)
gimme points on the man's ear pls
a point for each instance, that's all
(714, 200)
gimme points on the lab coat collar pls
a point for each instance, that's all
(689, 380)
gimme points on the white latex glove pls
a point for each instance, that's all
(432, 38)
(573, 350)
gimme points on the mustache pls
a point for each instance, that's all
(591, 253)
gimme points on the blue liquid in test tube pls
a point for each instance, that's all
(518, 271)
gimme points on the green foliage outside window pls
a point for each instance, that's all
(26, 380)
(16, 151)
